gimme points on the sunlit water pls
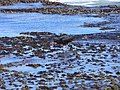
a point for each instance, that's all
(13, 24)
(89, 3)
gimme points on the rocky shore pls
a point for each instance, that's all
(65, 57)
(45, 2)
(43, 40)
(62, 9)
(49, 61)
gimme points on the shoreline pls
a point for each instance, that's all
(53, 55)
(49, 61)
(64, 9)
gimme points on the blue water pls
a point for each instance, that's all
(22, 6)
(13, 24)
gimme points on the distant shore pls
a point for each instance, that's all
(62, 9)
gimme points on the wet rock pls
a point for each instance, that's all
(99, 24)
(64, 69)
(25, 87)
(64, 40)
(106, 28)
(34, 65)
(118, 73)
(44, 87)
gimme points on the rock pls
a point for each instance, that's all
(34, 65)
(64, 40)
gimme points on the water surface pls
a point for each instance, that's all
(22, 6)
(13, 24)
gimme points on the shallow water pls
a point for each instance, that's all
(22, 6)
(13, 24)
(89, 63)
(101, 63)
